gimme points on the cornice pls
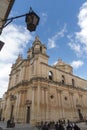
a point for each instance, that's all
(47, 83)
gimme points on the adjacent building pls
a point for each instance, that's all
(5, 8)
(39, 92)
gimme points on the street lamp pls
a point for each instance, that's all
(31, 19)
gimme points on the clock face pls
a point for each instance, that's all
(37, 46)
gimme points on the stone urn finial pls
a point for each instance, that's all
(37, 38)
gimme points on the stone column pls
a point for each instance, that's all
(25, 98)
(42, 103)
(33, 105)
(47, 105)
(74, 110)
(21, 106)
(24, 107)
(38, 102)
(82, 104)
(18, 106)
(8, 109)
(60, 103)
(72, 105)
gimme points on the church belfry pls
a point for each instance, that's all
(38, 46)
(37, 49)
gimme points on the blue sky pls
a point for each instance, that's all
(62, 27)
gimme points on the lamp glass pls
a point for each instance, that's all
(32, 20)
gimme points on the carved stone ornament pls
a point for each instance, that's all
(13, 97)
(28, 102)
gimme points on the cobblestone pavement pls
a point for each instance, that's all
(3, 125)
(83, 126)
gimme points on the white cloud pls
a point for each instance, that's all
(82, 22)
(78, 41)
(55, 63)
(74, 45)
(53, 39)
(16, 39)
(77, 64)
(43, 18)
(51, 43)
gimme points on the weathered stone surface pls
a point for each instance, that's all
(40, 92)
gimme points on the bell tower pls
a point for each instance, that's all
(38, 50)
(36, 56)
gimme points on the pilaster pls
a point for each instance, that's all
(60, 103)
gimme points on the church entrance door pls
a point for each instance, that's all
(28, 115)
(12, 109)
(80, 114)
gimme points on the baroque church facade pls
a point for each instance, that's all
(39, 92)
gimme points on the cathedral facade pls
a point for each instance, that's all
(39, 92)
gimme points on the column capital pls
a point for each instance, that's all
(80, 95)
(44, 87)
(22, 91)
(34, 87)
(71, 93)
(59, 90)
(28, 102)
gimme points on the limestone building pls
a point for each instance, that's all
(5, 8)
(40, 92)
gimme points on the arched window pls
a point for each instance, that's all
(50, 75)
(41, 49)
(63, 79)
(32, 52)
(73, 83)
